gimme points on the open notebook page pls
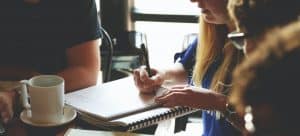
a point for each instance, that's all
(112, 100)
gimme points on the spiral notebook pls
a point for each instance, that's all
(83, 132)
(139, 120)
(118, 105)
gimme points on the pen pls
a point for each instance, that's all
(145, 53)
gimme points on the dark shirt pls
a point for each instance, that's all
(37, 36)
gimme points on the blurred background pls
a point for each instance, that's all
(164, 22)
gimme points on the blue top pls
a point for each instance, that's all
(37, 36)
(187, 58)
(212, 125)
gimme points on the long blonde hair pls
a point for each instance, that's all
(212, 44)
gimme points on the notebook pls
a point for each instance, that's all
(118, 105)
(82, 132)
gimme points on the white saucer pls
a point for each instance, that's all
(69, 115)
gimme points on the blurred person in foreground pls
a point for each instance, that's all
(265, 90)
(47, 37)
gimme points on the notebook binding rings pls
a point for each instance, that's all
(174, 112)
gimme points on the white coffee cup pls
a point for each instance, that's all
(46, 95)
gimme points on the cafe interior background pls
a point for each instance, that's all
(165, 24)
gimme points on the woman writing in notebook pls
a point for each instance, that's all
(185, 96)
(215, 60)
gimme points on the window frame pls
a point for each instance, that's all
(143, 15)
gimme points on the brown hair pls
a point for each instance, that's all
(270, 76)
(257, 16)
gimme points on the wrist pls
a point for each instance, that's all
(164, 75)
(224, 104)
(174, 72)
(229, 110)
(221, 102)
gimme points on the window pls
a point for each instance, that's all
(165, 22)
(175, 7)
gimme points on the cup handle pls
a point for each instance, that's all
(24, 94)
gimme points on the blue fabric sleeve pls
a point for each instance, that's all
(187, 57)
(212, 126)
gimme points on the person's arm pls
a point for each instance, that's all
(191, 96)
(83, 66)
(175, 72)
(83, 55)
(82, 71)
(201, 98)
(7, 102)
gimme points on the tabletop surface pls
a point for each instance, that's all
(17, 128)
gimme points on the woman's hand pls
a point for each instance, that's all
(7, 99)
(148, 84)
(195, 97)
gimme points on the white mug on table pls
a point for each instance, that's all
(46, 94)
